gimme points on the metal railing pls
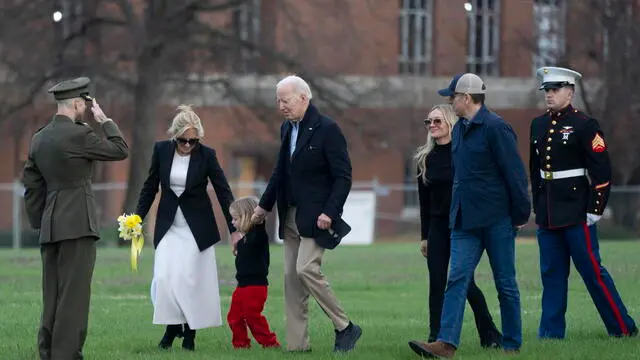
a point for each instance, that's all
(396, 209)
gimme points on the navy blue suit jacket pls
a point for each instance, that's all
(194, 201)
(489, 178)
(320, 173)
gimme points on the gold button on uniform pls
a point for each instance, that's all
(548, 166)
(554, 122)
(549, 140)
(548, 148)
(551, 131)
(548, 157)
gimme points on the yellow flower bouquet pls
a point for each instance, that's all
(130, 228)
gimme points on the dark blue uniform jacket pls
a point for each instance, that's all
(564, 141)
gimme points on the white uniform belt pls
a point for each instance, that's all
(550, 175)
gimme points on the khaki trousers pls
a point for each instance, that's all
(303, 276)
(67, 270)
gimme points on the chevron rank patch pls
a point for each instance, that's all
(597, 144)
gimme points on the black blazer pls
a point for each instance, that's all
(320, 173)
(194, 201)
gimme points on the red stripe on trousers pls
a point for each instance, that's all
(607, 294)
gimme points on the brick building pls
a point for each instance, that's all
(387, 58)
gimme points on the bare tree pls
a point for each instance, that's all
(145, 51)
(614, 102)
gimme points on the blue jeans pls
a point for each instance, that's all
(467, 247)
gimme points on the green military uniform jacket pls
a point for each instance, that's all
(57, 177)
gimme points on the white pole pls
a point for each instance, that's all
(17, 221)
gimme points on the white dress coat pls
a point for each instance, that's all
(184, 288)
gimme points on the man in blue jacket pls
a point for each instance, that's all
(490, 202)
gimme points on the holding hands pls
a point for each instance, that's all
(258, 215)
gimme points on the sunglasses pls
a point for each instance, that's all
(435, 121)
(183, 141)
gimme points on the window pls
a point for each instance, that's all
(246, 26)
(548, 16)
(415, 32)
(483, 42)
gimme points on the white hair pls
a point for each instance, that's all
(184, 120)
(299, 85)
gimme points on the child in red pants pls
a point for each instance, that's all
(252, 265)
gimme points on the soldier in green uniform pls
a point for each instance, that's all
(59, 202)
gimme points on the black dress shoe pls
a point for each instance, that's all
(347, 338)
(170, 334)
(189, 338)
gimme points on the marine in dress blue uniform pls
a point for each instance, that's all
(570, 174)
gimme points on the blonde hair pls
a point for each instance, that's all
(242, 209)
(184, 120)
(420, 156)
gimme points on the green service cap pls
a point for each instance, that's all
(69, 89)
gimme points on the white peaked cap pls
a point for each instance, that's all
(557, 77)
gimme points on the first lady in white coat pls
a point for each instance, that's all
(184, 289)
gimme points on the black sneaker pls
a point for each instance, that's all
(347, 338)
(491, 341)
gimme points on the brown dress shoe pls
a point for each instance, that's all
(434, 350)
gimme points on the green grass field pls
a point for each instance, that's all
(382, 287)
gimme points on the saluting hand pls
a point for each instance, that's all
(98, 114)
(324, 222)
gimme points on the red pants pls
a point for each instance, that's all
(246, 308)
